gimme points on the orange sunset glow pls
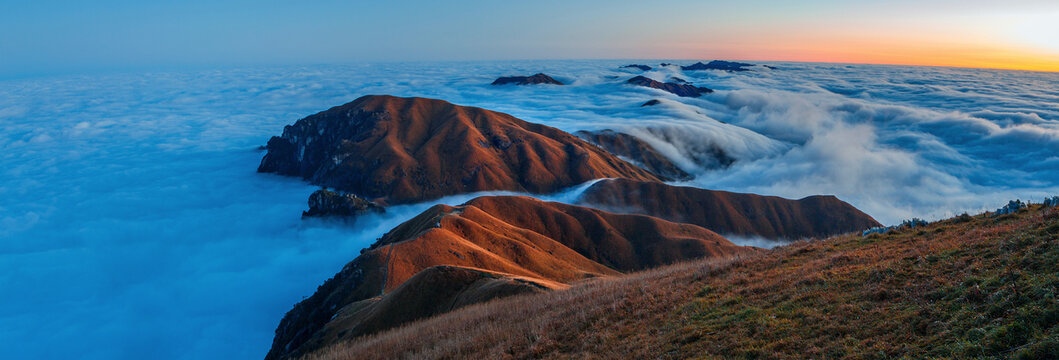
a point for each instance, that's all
(1021, 40)
(995, 56)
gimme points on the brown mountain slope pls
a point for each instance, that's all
(683, 90)
(543, 242)
(535, 79)
(963, 288)
(433, 291)
(730, 213)
(718, 65)
(403, 150)
(639, 151)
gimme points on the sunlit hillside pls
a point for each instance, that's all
(965, 287)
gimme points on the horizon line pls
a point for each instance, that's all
(103, 69)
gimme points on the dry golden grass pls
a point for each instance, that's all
(573, 321)
(512, 235)
(964, 288)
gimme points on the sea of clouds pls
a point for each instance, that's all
(133, 223)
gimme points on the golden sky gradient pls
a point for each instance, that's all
(910, 52)
(1020, 40)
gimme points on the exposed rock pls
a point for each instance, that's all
(731, 213)
(637, 150)
(877, 230)
(1051, 202)
(651, 102)
(325, 203)
(1012, 207)
(535, 79)
(914, 223)
(909, 224)
(677, 80)
(718, 65)
(683, 90)
(506, 238)
(401, 150)
(637, 66)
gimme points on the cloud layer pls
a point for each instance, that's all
(133, 224)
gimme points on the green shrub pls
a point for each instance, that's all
(1007, 337)
(1042, 350)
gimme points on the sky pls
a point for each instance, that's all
(65, 36)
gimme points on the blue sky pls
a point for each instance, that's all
(74, 36)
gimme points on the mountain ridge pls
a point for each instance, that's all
(967, 287)
(547, 242)
(730, 213)
(403, 150)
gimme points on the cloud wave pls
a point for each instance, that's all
(133, 223)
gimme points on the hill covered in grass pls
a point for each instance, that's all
(730, 213)
(492, 246)
(966, 287)
(406, 150)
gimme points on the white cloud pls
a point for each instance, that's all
(144, 217)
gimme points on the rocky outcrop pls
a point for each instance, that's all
(325, 203)
(684, 90)
(487, 248)
(1012, 207)
(535, 79)
(718, 65)
(651, 102)
(1051, 202)
(638, 151)
(637, 66)
(730, 213)
(401, 150)
(907, 224)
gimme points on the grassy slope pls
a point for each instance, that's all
(964, 287)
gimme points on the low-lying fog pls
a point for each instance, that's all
(133, 224)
